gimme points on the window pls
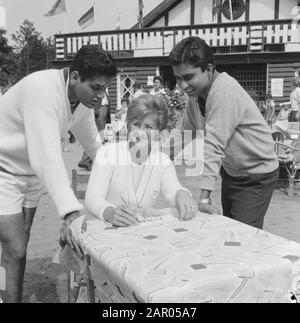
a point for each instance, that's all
(238, 9)
(253, 78)
(125, 86)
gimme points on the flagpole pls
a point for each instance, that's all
(231, 19)
(66, 18)
(230, 9)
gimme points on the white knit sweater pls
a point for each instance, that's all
(114, 174)
(35, 115)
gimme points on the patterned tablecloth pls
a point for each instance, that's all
(207, 259)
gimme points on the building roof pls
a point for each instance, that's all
(158, 12)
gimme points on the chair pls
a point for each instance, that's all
(78, 282)
(293, 130)
(295, 167)
(289, 158)
(293, 126)
(278, 137)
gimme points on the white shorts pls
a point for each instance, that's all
(17, 191)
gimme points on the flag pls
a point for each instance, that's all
(140, 14)
(118, 26)
(87, 19)
(58, 8)
(216, 8)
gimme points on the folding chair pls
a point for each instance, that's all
(76, 283)
(289, 158)
(293, 126)
(295, 167)
(293, 130)
(278, 137)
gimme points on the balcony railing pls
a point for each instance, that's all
(229, 37)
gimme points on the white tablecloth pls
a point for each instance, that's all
(208, 259)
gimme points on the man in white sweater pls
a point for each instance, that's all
(237, 140)
(35, 115)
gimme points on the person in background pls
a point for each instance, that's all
(157, 85)
(269, 108)
(102, 117)
(138, 90)
(35, 114)
(121, 112)
(295, 100)
(237, 140)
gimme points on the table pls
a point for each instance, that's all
(208, 259)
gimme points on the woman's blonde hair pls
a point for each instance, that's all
(148, 104)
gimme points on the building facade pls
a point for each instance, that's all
(255, 41)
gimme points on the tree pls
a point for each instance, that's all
(8, 65)
(34, 52)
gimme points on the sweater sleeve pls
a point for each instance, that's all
(85, 130)
(98, 186)
(224, 112)
(41, 122)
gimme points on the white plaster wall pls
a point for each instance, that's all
(285, 8)
(181, 14)
(262, 9)
(203, 12)
(159, 23)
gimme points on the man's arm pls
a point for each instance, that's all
(42, 129)
(85, 130)
(225, 110)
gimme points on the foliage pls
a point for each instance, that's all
(34, 52)
(7, 62)
(176, 101)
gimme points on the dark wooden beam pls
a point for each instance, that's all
(167, 20)
(192, 12)
(220, 14)
(247, 15)
(162, 14)
(252, 58)
(276, 10)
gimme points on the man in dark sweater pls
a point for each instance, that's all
(237, 140)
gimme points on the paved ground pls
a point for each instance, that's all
(46, 282)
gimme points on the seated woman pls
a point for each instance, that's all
(127, 177)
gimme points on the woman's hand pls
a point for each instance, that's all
(186, 205)
(122, 216)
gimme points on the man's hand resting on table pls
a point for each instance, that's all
(66, 234)
(208, 208)
(186, 205)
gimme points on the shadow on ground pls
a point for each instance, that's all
(44, 282)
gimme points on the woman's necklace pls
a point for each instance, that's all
(136, 180)
(137, 186)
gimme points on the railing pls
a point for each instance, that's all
(160, 41)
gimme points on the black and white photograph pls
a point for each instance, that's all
(149, 153)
